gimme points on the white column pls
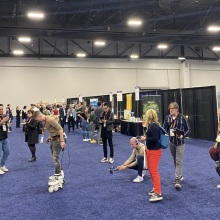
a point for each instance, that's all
(184, 75)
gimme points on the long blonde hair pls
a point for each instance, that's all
(151, 116)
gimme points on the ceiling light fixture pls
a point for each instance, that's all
(181, 58)
(99, 43)
(213, 28)
(24, 39)
(216, 48)
(36, 15)
(162, 46)
(134, 56)
(80, 54)
(134, 22)
(18, 52)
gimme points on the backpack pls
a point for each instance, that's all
(164, 138)
(214, 153)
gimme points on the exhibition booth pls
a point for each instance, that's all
(199, 105)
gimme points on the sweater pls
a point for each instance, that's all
(153, 137)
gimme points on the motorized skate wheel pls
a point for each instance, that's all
(55, 188)
(50, 189)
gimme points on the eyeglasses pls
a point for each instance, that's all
(172, 108)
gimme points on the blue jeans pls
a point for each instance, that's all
(139, 166)
(4, 151)
(85, 129)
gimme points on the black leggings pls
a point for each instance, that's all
(32, 149)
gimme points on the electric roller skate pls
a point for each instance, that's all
(56, 182)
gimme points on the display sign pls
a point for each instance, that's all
(119, 96)
(110, 96)
(80, 98)
(137, 93)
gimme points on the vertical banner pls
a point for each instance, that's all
(110, 97)
(63, 100)
(119, 96)
(80, 98)
(152, 102)
(55, 100)
(137, 93)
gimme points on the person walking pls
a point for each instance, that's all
(31, 134)
(178, 128)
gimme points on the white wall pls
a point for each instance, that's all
(24, 81)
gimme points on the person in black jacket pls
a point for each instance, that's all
(154, 152)
(31, 134)
(106, 121)
(24, 116)
(18, 117)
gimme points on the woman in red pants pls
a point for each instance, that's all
(153, 153)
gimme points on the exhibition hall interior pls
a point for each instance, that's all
(109, 109)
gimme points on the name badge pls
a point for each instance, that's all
(172, 132)
(71, 115)
(4, 127)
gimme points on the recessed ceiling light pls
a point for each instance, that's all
(36, 15)
(18, 52)
(134, 22)
(213, 28)
(80, 54)
(181, 58)
(216, 48)
(24, 39)
(134, 56)
(162, 46)
(99, 43)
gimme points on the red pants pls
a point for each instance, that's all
(153, 160)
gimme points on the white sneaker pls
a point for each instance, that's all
(218, 186)
(1, 172)
(4, 169)
(84, 139)
(104, 160)
(138, 179)
(111, 160)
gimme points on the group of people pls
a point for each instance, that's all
(178, 128)
(145, 156)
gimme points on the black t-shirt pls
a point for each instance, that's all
(3, 134)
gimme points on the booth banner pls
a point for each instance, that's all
(137, 93)
(80, 98)
(119, 96)
(94, 102)
(110, 96)
(152, 102)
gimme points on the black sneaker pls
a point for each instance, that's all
(156, 197)
(151, 192)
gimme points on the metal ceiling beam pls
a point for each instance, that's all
(54, 46)
(104, 48)
(80, 47)
(129, 47)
